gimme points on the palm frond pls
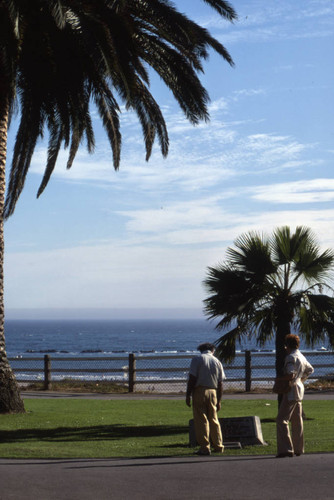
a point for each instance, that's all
(55, 141)
(26, 139)
(58, 13)
(313, 265)
(252, 255)
(225, 9)
(262, 325)
(225, 345)
(109, 112)
(287, 246)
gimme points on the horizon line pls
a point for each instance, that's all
(103, 313)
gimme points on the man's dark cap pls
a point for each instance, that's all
(206, 346)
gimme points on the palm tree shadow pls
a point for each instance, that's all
(93, 433)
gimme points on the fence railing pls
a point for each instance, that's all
(157, 372)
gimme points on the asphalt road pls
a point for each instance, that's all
(307, 477)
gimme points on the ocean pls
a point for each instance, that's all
(105, 336)
(73, 337)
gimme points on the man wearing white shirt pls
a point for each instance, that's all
(205, 386)
(296, 369)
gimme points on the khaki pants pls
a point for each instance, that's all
(290, 411)
(206, 420)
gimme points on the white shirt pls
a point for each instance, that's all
(297, 364)
(207, 369)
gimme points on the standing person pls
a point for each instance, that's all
(205, 386)
(296, 369)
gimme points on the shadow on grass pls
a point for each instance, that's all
(273, 420)
(94, 433)
(179, 445)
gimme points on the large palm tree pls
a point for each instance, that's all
(59, 56)
(268, 286)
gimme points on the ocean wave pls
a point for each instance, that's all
(101, 351)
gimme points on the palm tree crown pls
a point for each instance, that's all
(56, 56)
(268, 285)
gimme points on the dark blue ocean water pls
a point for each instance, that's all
(113, 336)
(106, 336)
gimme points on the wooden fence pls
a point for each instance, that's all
(145, 372)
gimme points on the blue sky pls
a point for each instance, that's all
(138, 242)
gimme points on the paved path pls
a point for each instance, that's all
(308, 477)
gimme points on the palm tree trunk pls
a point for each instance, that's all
(281, 333)
(283, 329)
(283, 317)
(10, 399)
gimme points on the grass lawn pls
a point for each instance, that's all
(68, 428)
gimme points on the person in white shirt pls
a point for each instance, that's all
(205, 386)
(296, 369)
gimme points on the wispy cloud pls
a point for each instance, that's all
(199, 158)
(274, 21)
(147, 270)
(303, 191)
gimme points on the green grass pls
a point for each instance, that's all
(68, 428)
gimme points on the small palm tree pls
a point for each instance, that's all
(270, 285)
(59, 56)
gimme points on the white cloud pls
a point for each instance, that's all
(145, 270)
(218, 105)
(303, 191)
(203, 158)
(108, 276)
(242, 93)
(206, 221)
(274, 21)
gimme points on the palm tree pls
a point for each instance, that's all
(59, 56)
(270, 285)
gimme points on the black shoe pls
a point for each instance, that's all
(297, 454)
(283, 455)
(203, 453)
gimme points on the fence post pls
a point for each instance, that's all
(132, 371)
(47, 372)
(248, 371)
